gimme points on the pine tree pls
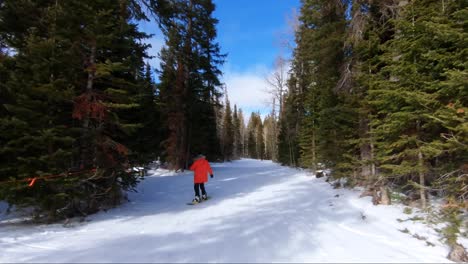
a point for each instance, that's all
(451, 94)
(251, 137)
(289, 124)
(109, 96)
(270, 125)
(228, 132)
(236, 126)
(73, 83)
(378, 94)
(36, 128)
(255, 137)
(145, 147)
(189, 79)
(368, 29)
(315, 65)
(242, 133)
(259, 138)
(411, 89)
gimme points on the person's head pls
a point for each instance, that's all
(199, 156)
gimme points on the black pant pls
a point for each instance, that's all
(198, 186)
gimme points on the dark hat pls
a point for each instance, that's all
(200, 156)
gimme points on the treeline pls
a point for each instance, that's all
(255, 140)
(378, 93)
(80, 108)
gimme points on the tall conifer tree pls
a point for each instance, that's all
(189, 79)
(228, 132)
(77, 70)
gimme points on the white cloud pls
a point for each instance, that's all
(248, 90)
(156, 44)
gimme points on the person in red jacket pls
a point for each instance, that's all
(201, 168)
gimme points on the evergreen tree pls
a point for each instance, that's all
(368, 29)
(289, 124)
(378, 94)
(315, 65)
(228, 133)
(36, 126)
(259, 138)
(237, 152)
(413, 86)
(251, 137)
(108, 100)
(255, 137)
(146, 145)
(189, 79)
(242, 133)
(88, 53)
(270, 137)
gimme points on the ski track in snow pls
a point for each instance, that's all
(259, 212)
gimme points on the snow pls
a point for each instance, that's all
(259, 212)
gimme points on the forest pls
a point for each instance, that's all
(375, 94)
(80, 105)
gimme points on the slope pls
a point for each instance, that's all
(259, 212)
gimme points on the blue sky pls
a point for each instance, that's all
(251, 32)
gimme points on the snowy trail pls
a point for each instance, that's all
(259, 212)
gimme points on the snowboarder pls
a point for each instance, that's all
(201, 168)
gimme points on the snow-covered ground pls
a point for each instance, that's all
(259, 212)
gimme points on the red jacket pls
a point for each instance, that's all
(201, 168)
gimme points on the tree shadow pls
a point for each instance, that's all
(260, 214)
(280, 228)
(160, 195)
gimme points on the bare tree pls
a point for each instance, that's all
(277, 82)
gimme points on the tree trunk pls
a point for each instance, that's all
(87, 155)
(422, 191)
(314, 151)
(365, 148)
(373, 167)
(384, 197)
(291, 158)
(187, 152)
(184, 147)
(274, 154)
